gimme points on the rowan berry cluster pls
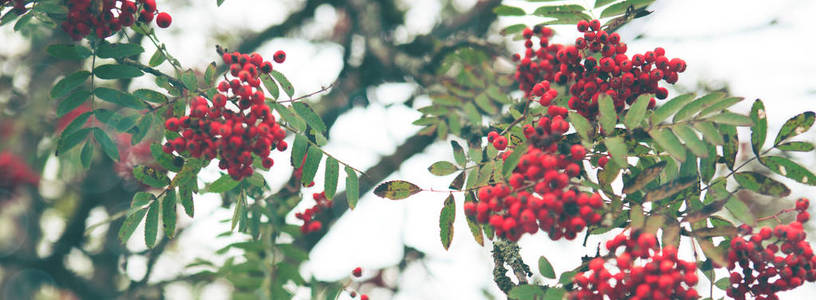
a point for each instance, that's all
(771, 260)
(640, 271)
(357, 272)
(309, 223)
(106, 17)
(539, 195)
(14, 172)
(235, 125)
(622, 77)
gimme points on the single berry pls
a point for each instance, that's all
(163, 19)
(357, 272)
(279, 56)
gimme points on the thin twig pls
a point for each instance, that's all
(323, 89)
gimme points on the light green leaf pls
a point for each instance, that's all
(526, 292)
(222, 184)
(299, 147)
(352, 187)
(621, 7)
(545, 268)
(446, 218)
(442, 168)
(307, 113)
(637, 112)
(512, 29)
(695, 106)
(396, 189)
(283, 82)
(710, 132)
(730, 118)
(331, 176)
(186, 196)
(740, 210)
(795, 126)
(669, 143)
(760, 128)
(189, 79)
(672, 106)
(608, 117)
(694, 143)
(796, 146)
(270, 85)
(617, 149)
(762, 184)
(504, 10)
(581, 125)
(156, 59)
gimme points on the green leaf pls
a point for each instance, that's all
(108, 146)
(617, 149)
(23, 21)
(730, 118)
(643, 178)
(511, 162)
(472, 114)
(504, 10)
(672, 106)
(730, 145)
(189, 79)
(710, 132)
(185, 194)
(512, 29)
(483, 102)
(86, 156)
(169, 213)
(788, 168)
(219, 2)
(222, 184)
(723, 283)
(210, 74)
(795, 126)
(569, 17)
(696, 106)
(581, 125)
(142, 129)
(352, 187)
(130, 224)
(545, 268)
(694, 143)
(670, 189)
(151, 176)
(473, 224)
(669, 143)
(68, 51)
(621, 7)
(283, 82)
(307, 113)
(526, 292)
(118, 98)
(458, 153)
(740, 211)
(796, 146)
(558, 10)
(156, 59)
(313, 157)
(270, 85)
(637, 112)
(299, 147)
(72, 101)
(608, 117)
(330, 178)
(396, 189)
(761, 184)
(69, 83)
(114, 71)
(599, 3)
(68, 141)
(141, 199)
(720, 105)
(152, 224)
(150, 96)
(106, 50)
(442, 168)
(554, 293)
(446, 218)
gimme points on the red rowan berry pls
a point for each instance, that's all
(357, 272)
(279, 56)
(363, 297)
(163, 20)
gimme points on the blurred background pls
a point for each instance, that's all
(377, 54)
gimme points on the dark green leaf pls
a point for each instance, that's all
(670, 107)
(313, 157)
(396, 189)
(150, 96)
(189, 79)
(621, 7)
(114, 71)
(473, 224)
(151, 176)
(330, 178)
(730, 145)
(152, 224)
(118, 98)
(130, 224)
(795, 126)
(504, 10)
(283, 82)
(106, 50)
(669, 143)
(169, 213)
(299, 147)
(637, 112)
(473, 114)
(554, 293)
(69, 83)
(670, 189)
(352, 187)
(483, 102)
(72, 101)
(222, 184)
(458, 182)
(219, 2)
(526, 292)
(545, 268)
(186, 196)
(23, 21)
(694, 143)
(715, 254)
(762, 184)
(86, 155)
(458, 153)
(442, 168)
(307, 113)
(796, 146)
(142, 129)
(730, 118)
(446, 218)
(788, 168)
(723, 283)
(599, 3)
(156, 59)
(608, 117)
(270, 85)
(512, 29)
(558, 10)
(209, 74)
(569, 17)
(511, 162)
(644, 177)
(68, 141)
(107, 144)
(63, 51)
(289, 116)
(740, 210)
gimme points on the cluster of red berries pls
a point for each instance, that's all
(106, 17)
(622, 77)
(763, 270)
(539, 195)
(357, 272)
(14, 172)
(640, 271)
(309, 223)
(236, 125)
